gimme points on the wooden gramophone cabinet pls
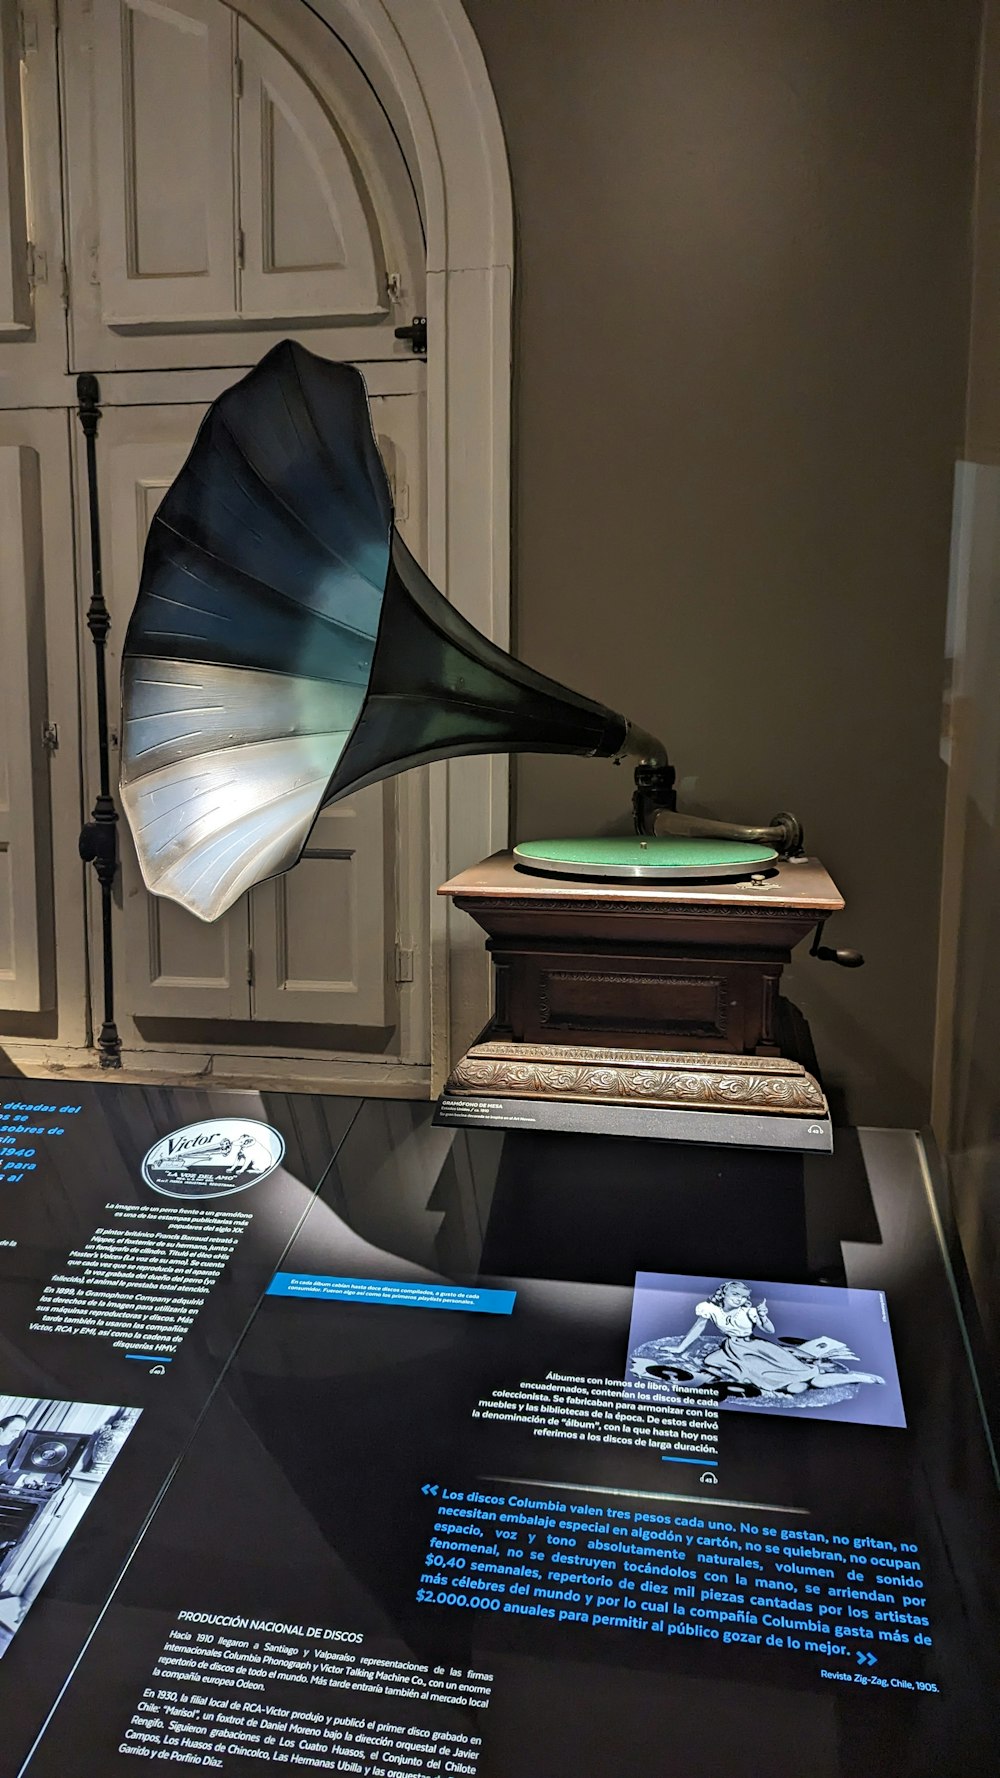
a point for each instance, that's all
(644, 992)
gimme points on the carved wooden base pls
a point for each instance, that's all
(666, 1078)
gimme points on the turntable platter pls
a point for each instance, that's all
(665, 858)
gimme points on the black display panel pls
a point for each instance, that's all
(546, 1456)
(138, 1230)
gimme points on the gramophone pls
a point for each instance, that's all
(286, 649)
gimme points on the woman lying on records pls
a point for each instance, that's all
(741, 1362)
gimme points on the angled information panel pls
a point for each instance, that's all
(540, 1456)
(138, 1231)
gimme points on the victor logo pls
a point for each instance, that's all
(212, 1160)
(184, 1144)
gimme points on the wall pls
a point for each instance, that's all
(967, 1063)
(742, 296)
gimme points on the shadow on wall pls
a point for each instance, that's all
(974, 1147)
(854, 1063)
(969, 1083)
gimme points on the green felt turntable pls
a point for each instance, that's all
(654, 858)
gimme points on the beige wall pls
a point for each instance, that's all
(982, 431)
(967, 1070)
(742, 289)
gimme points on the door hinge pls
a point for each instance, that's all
(241, 249)
(238, 76)
(37, 264)
(250, 966)
(404, 964)
(50, 737)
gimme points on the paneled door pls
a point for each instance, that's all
(42, 967)
(318, 945)
(184, 183)
(26, 982)
(216, 192)
(175, 965)
(317, 933)
(32, 264)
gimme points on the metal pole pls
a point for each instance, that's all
(99, 837)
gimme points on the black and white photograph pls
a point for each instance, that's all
(54, 1455)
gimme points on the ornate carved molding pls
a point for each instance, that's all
(639, 1077)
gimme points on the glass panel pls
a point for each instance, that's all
(138, 1230)
(573, 1456)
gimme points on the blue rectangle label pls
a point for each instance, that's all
(392, 1293)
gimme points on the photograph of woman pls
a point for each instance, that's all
(734, 1347)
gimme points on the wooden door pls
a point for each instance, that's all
(164, 131)
(323, 936)
(175, 966)
(32, 262)
(26, 975)
(42, 951)
(318, 945)
(306, 246)
(218, 195)
(225, 176)
(15, 266)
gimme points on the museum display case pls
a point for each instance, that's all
(485, 1452)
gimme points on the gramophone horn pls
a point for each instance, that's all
(286, 648)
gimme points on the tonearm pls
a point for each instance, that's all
(654, 810)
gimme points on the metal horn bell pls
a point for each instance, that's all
(286, 648)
